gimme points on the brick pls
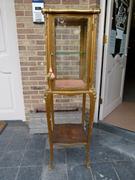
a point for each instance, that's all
(84, 1)
(24, 69)
(18, 1)
(37, 97)
(70, 1)
(35, 47)
(36, 78)
(19, 13)
(21, 36)
(29, 73)
(20, 25)
(40, 42)
(36, 68)
(27, 1)
(28, 13)
(30, 92)
(52, 2)
(35, 36)
(22, 48)
(41, 53)
(36, 58)
(25, 31)
(28, 63)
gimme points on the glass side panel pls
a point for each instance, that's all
(70, 48)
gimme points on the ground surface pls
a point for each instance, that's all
(25, 157)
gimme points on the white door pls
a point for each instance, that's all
(115, 54)
(11, 96)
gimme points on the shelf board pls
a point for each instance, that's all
(69, 134)
(70, 84)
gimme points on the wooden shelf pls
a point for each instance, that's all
(70, 84)
(69, 134)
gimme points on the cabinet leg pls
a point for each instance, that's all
(90, 126)
(50, 129)
(87, 161)
(50, 166)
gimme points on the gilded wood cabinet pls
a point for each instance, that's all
(70, 51)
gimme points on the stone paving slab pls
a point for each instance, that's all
(31, 162)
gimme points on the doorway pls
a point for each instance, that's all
(124, 115)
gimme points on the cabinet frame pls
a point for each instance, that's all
(57, 133)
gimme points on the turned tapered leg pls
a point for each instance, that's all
(90, 126)
(51, 157)
(50, 130)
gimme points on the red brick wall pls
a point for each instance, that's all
(32, 52)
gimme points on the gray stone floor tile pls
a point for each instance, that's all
(17, 143)
(125, 170)
(105, 138)
(29, 173)
(58, 173)
(29, 152)
(8, 132)
(75, 155)
(1, 154)
(79, 172)
(8, 173)
(4, 143)
(103, 171)
(11, 159)
(21, 133)
(105, 154)
(59, 156)
(36, 142)
(33, 158)
(16, 123)
(125, 146)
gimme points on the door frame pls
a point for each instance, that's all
(100, 52)
(18, 71)
(99, 59)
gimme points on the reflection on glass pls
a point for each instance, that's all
(70, 48)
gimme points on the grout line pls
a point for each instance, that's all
(44, 166)
(17, 173)
(6, 148)
(24, 152)
(66, 163)
(116, 172)
(10, 167)
(21, 160)
(91, 173)
(9, 141)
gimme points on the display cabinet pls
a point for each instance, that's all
(70, 54)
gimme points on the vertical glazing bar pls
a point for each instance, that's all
(89, 50)
(83, 47)
(93, 49)
(83, 108)
(49, 52)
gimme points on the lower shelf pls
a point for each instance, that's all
(69, 134)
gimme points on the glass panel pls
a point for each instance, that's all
(119, 28)
(70, 48)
